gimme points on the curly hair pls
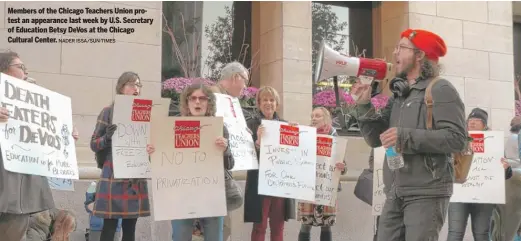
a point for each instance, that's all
(6, 58)
(188, 91)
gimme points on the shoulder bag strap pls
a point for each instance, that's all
(429, 102)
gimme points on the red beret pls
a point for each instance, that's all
(430, 43)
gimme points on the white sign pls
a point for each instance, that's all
(288, 158)
(378, 181)
(61, 184)
(129, 142)
(486, 180)
(187, 168)
(330, 151)
(241, 141)
(37, 139)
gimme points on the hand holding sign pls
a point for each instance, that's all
(75, 133)
(222, 143)
(150, 149)
(110, 131)
(340, 166)
(4, 114)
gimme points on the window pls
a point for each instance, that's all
(199, 38)
(203, 37)
(347, 28)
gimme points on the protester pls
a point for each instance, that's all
(418, 192)
(233, 80)
(480, 213)
(312, 215)
(258, 208)
(20, 194)
(199, 100)
(117, 198)
(95, 223)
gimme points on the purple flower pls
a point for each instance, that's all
(379, 101)
(327, 98)
(178, 84)
(249, 93)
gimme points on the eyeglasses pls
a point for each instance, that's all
(196, 98)
(132, 85)
(397, 48)
(245, 78)
(20, 66)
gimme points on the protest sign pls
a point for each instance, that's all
(288, 158)
(378, 181)
(61, 184)
(37, 139)
(486, 180)
(129, 142)
(241, 141)
(330, 151)
(187, 167)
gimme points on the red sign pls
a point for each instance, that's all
(478, 142)
(187, 134)
(141, 110)
(324, 146)
(289, 135)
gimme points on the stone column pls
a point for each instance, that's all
(285, 55)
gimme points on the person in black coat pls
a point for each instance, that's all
(258, 208)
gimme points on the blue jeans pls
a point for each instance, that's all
(212, 229)
(480, 215)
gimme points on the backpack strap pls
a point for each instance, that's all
(429, 102)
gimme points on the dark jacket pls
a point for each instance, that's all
(252, 199)
(428, 169)
(23, 193)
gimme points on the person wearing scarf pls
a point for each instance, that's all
(311, 215)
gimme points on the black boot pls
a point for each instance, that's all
(326, 236)
(304, 236)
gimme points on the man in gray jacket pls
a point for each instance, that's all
(20, 194)
(418, 193)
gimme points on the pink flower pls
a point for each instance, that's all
(379, 101)
(178, 84)
(249, 93)
(327, 98)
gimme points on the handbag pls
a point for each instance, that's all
(364, 187)
(234, 198)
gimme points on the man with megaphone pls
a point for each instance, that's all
(418, 176)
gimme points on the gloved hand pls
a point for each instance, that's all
(110, 131)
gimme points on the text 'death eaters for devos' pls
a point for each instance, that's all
(37, 138)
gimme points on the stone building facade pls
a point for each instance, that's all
(480, 63)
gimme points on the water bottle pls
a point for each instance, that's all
(394, 160)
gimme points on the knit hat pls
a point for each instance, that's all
(428, 42)
(479, 113)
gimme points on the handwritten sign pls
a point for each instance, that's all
(61, 184)
(288, 158)
(37, 139)
(241, 141)
(486, 180)
(330, 151)
(187, 167)
(129, 142)
(378, 181)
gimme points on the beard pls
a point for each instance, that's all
(405, 71)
